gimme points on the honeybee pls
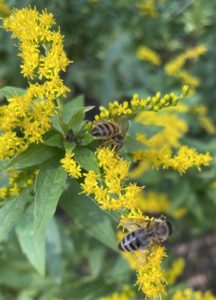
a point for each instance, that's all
(111, 133)
(156, 231)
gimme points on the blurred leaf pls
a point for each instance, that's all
(87, 159)
(11, 91)
(34, 155)
(33, 246)
(11, 212)
(132, 145)
(96, 261)
(147, 130)
(54, 250)
(88, 215)
(55, 141)
(49, 184)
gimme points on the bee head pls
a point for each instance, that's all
(168, 224)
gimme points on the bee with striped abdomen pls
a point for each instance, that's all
(111, 133)
(156, 231)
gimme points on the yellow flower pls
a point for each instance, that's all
(137, 104)
(175, 270)
(146, 54)
(125, 294)
(109, 188)
(147, 263)
(43, 58)
(175, 66)
(148, 8)
(189, 294)
(71, 166)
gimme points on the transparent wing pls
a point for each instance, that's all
(136, 223)
(124, 124)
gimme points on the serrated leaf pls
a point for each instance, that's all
(88, 215)
(34, 155)
(11, 212)
(72, 107)
(147, 130)
(55, 141)
(10, 91)
(48, 188)
(87, 159)
(132, 145)
(33, 246)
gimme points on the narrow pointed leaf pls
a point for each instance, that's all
(48, 188)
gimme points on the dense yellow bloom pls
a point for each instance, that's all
(175, 270)
(184, 159)
(71, 166)
(43, 58)
(110, 190)
(137, 104)
(189, 294)
(125, 294)
(146, 54)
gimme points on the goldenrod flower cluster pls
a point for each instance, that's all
(146, 54)
(175, 270)
(109, 190)
(43, 56)
(175, 66)
(71, 166)
(163, 144)
(147, 262)
(136, 104)
(125, 294)
(154, 202)
(189, 294)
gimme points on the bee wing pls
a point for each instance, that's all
(136, 223)
(124, 124)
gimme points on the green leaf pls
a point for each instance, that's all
(33, 246)
(72, 107)
(77, 120)
(11, 212)
(49, 184)
(34, 155)
(55, 141)
(88, 215)
(10, 91)
(54, 250)
(87, 159)
(132, 145)
(59, 126)
(147, 130)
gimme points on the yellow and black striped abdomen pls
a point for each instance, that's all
(106, 130)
